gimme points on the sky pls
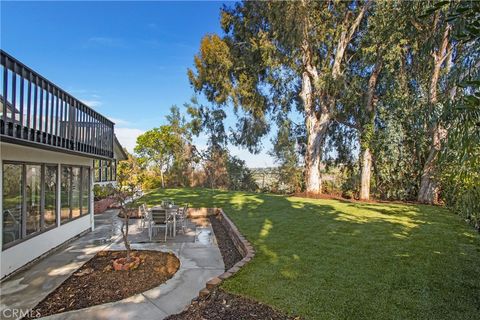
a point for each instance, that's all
(127, 60)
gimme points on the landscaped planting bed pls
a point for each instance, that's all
(228, 249)
(221, 305)
(96, 282)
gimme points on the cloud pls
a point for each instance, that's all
(92, 103)
(119, 122)
(128, 137)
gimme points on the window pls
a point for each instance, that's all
(85, 190)
(65, 195)
(75, 192)
(12, 202)
(105, 170)
(114, 170)
(97, 170)
(50, 185)
(33, 197)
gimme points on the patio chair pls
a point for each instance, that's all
(158, 219)
(143, 211)
(167, 202)
(181, 216)
(142, 214)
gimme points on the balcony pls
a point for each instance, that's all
(35, 112)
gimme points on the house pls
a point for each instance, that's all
(49, 143)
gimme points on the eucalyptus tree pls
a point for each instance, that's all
(460, 154)
(275, 56)
(184, 156)
(376, 72)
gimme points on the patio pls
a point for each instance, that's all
(197, 250)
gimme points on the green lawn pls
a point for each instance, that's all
(330, 259)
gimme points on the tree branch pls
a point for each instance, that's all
(345, 38)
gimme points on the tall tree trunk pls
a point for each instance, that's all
(161, 176)
(428, 192)
(316, 133)
(366, 168)
(368, 132)
(318, 104)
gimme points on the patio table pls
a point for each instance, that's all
(171, 210)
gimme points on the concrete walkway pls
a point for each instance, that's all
(200, 260)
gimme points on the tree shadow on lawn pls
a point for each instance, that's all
(330, 259)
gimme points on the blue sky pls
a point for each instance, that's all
(128, 60)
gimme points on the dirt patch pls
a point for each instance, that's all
(96, 283)
(229, 251)
(221, 305)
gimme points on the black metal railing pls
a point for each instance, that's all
(34, 111)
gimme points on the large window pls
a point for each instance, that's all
(29, 198)
(65, 194)
(50, 183)
(75, 192)
(33, 197)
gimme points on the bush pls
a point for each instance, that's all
(103, 191)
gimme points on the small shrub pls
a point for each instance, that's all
(103, 191)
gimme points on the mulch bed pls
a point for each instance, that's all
(229, 251)
(96, 282)
(221, 305)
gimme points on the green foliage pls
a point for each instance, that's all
(129, 172)
(103, 191)
(239, 175)
(460, 155)
(286, 152)
(156, 146)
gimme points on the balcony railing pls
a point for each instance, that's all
(36, 112)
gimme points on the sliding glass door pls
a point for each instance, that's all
(29, 198)
(12, 202)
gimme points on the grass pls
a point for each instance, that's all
(331, 259)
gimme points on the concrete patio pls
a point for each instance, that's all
(197, 250)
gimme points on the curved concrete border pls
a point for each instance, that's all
(168, 298)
